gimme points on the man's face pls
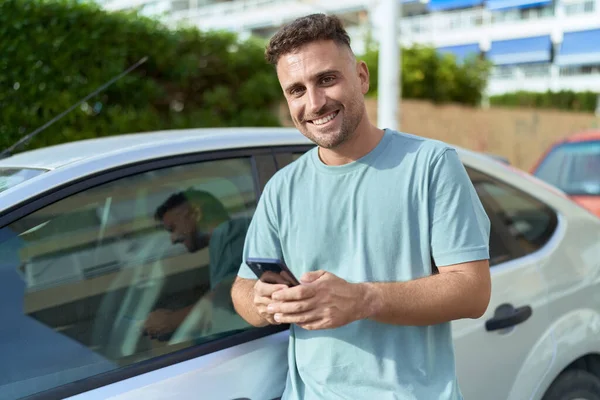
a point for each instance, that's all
(181, 222)
(324, 87)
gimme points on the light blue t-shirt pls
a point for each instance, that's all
(380, 218)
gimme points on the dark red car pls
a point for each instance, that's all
(573, 165)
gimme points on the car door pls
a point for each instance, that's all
(105, 293)
(498, 356)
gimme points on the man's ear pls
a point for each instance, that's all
(196, 213)
(363, 74)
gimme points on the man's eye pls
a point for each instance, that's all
(328, 79)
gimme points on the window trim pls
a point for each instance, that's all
(511, 242)
(58, 193)
(283, 154)
(259, 165)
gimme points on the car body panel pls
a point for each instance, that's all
(559, 281)
(253, 370)
(519, 282)
(592, 203)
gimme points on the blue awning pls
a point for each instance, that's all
(521, 51)
(460, 52)
(496, 5)
(442, 5)
(580, 48)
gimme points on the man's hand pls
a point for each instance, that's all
(163, 321)
(322, 301)
(262, 298)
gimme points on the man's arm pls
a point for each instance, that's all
(251, 298)
(458, 291)
(242, 294)
(326, 301)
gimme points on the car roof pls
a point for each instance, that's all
(583, 136)
(57, 156)
(72, 161)
(194, 140)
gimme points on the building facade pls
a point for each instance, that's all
(535, 45)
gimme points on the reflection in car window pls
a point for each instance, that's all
(10, 177)
(499, 253)
(529, 221)
(573, 168)
(122, 273)
(296, 156)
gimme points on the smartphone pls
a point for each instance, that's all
(272, 271)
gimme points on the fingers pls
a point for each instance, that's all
(295, 293)
(266, 315)
(267, 289)
(294, 307)
(312, 276)
(262, 298)
(266, 294)
(302, 318)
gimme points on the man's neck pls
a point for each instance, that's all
(364, 140)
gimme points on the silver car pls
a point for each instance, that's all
(88, 263)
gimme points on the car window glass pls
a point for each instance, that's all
(121, 273)
(529, 221)
(573, 168)
(10, 177)
(499, 253)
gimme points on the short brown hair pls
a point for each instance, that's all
(306, 30)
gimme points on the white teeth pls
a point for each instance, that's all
(322, 121)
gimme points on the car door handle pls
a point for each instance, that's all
(506, 316)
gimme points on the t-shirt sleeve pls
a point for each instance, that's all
(460, 227)
(262, 239)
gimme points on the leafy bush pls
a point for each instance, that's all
(56, 52)
(428, 75)
(563, 100)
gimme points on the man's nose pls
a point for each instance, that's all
(316, 101)
(175, 238)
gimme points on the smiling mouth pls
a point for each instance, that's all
(325, 119)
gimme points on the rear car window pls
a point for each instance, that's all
(10, 177)
(573, 167)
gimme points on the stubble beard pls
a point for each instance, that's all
(335, 139)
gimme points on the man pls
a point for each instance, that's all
(359, 220)
(198, 219)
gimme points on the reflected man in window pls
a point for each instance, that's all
(197, 219)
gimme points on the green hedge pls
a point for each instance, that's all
(428, 75)
(53, 53)
(563, 100)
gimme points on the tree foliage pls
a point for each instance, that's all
(429, 75)
(56, 52)
(562, 100)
